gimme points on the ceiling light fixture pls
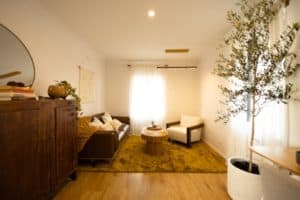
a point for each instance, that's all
(175, 67)
(177, 50)
(151, 13)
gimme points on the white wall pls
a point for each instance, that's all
(117, 80)
(55, 49)
(230, 139)
(181, 87)
(226, 139)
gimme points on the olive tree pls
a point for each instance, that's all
(255, 69)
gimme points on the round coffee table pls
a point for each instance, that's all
(154, 139)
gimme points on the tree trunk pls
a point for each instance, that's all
(252, 132)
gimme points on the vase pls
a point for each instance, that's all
(241, 184)
(57, 91)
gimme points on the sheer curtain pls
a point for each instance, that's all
(147, 97)
(238, 136)
(272, 123)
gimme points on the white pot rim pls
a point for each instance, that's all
(230, 161)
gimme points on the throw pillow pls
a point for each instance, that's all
(96, 123)
(116, 124)
(107, 127)
(106, 117)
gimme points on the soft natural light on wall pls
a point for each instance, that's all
(147, 98)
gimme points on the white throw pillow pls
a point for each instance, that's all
(188, 120)
(107, 127)
(107, 117)
(96, 123)
(116, 124)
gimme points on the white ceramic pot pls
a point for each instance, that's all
(242, 185)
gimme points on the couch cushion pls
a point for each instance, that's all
(116, 124)
(107, 127)
(179, 133)
(189, 120)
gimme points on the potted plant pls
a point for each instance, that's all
(63, 89)
(256, 72)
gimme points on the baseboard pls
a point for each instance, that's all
(214, 148)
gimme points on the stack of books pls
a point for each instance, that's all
(16, 93)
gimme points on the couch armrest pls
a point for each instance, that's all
(172, 123)
(124, 119)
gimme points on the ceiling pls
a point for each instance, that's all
(121, 29)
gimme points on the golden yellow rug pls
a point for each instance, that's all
(131, 157)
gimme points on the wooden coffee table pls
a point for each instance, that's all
(154, 139)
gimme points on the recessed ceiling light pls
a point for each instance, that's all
(177, 50)
(151, 13)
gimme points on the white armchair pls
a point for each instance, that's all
(187, 130)
(277, 184)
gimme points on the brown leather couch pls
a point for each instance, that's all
(102, 145)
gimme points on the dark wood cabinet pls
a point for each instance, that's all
(19, 138)
(65, 143)
(37, 147)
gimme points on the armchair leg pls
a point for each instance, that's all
(189, 145)
(188, 139)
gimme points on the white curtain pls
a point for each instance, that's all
(272, 123)
(147, 97)
(239, 136)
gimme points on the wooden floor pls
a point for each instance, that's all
(145, 186)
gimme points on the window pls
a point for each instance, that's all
(147, 98)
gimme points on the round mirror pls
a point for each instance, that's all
(16, 64)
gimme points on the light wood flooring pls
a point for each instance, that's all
(145, 186)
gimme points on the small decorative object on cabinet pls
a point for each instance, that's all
(57, 91)
(37, 147)
(63, 89)
(16, 93)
